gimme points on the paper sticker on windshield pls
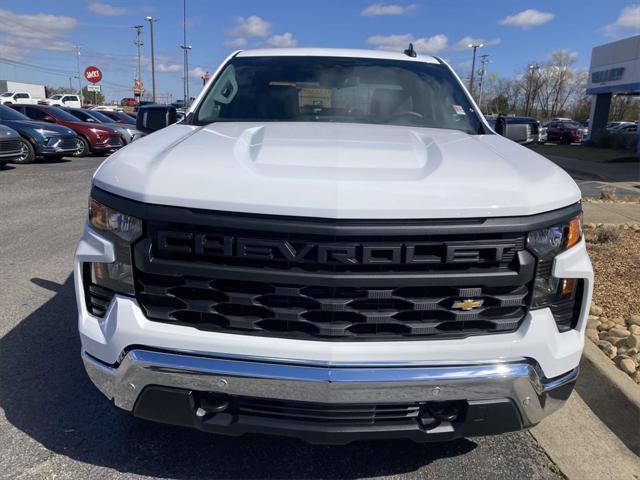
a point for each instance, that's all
(459, 110)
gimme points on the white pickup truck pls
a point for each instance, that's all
(63, 100)
(18, 97)
(332, 245)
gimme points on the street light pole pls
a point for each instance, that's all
(186, 49)
(79, 78)
(138, 43)
(483, 71)
(532, 67)
(151, 21)
(475, 47)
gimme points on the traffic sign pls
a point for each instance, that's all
(93, 74)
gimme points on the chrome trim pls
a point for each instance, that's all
(518, 381)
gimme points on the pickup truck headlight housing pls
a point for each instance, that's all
(546, 244)
(122, 230)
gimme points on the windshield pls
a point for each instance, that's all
(61, 114)
(7, 94)
(102, 117)
(7, 113)
(328, 89)
(56, 97)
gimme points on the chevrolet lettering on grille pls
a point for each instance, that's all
(390, 253)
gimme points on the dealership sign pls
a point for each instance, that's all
(93, 74)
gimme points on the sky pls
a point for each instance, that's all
(38, 38)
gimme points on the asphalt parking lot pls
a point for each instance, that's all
(55, 424)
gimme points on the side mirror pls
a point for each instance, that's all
(155, 117)
(516, 132)
(49, 118)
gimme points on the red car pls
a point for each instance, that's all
(564, 131)
(94, 138)
(128, 102)
(119, 117)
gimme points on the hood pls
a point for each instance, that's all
(337, 171)
(85, 125)
(52, 127)
(8, 132)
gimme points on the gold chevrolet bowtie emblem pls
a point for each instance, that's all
(468, 304)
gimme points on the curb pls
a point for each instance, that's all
(611, 395)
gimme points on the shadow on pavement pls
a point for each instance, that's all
(47, 395)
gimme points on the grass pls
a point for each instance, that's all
(585, 152)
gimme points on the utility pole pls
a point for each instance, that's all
(532, 68)
(151, 21)
(79, 77)
(185, 49)
(484, 59)
(138, 43)
(475, 47)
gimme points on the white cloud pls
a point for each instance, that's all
(197, 72)
(286, 40)
(248, 27)
(464, 42)
(399, 43)
(379, 9)
(527, 19)
(628, 22)
(107, 10)
(169, 67)
(236, 42)
(20, 35)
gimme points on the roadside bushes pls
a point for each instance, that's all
(619, 141)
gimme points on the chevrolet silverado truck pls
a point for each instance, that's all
(332, 245)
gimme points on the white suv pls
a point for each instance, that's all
(333, 245)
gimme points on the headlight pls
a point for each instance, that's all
(545, 244)
(122, 230)
(46, 134)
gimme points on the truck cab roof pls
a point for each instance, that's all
(335, 52)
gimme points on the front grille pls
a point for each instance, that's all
(328, 414)
(67, 144)
(284, 282)
(10, 146)
(114, 141)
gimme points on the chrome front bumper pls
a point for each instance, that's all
(518, 381)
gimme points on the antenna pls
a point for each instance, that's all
(410, 52)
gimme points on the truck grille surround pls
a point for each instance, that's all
(331, 280)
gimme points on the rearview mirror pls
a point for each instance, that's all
(155, 117)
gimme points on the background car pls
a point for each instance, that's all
(127, 132)
(10, 145)
(626, 127)
(39, 139)
(612, 125)
(523, 130)
(564, 132)
(92, 138)
(63, 100)
(128, 102)
(119, 117)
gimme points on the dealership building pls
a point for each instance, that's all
(614, 70)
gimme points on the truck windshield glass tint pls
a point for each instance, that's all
(349, 90)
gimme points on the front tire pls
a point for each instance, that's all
(84, 148)
(27, 155)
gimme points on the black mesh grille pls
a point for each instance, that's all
(9, 146)
(114, 141)
(332, 287)
(340, 414)
(68, 143)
